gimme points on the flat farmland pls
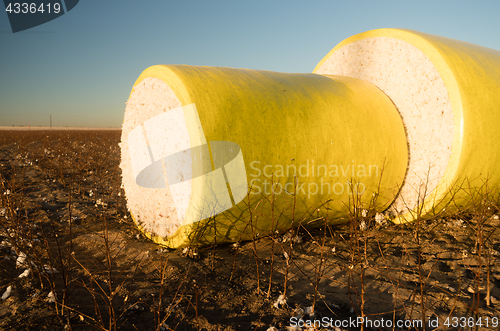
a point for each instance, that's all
(72, 259)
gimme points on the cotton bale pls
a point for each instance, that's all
(212, 154)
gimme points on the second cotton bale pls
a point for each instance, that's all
(447, 92)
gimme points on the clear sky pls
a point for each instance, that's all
(80, 67)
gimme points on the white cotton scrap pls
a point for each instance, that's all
(281, 302)
(289, 236)
(379, 218)
(21, 259)
(25, 274)
(7, 292)
(309, 311)
(190, 252)
(51, 298)
(49, 270)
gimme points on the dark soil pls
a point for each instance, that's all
(62, 208)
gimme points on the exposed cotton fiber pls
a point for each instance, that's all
(412, 82)
(150, 98)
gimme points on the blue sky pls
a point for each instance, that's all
(80, 67)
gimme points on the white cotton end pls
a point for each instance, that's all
(414, 85)
(145, 140)
(171, 175)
